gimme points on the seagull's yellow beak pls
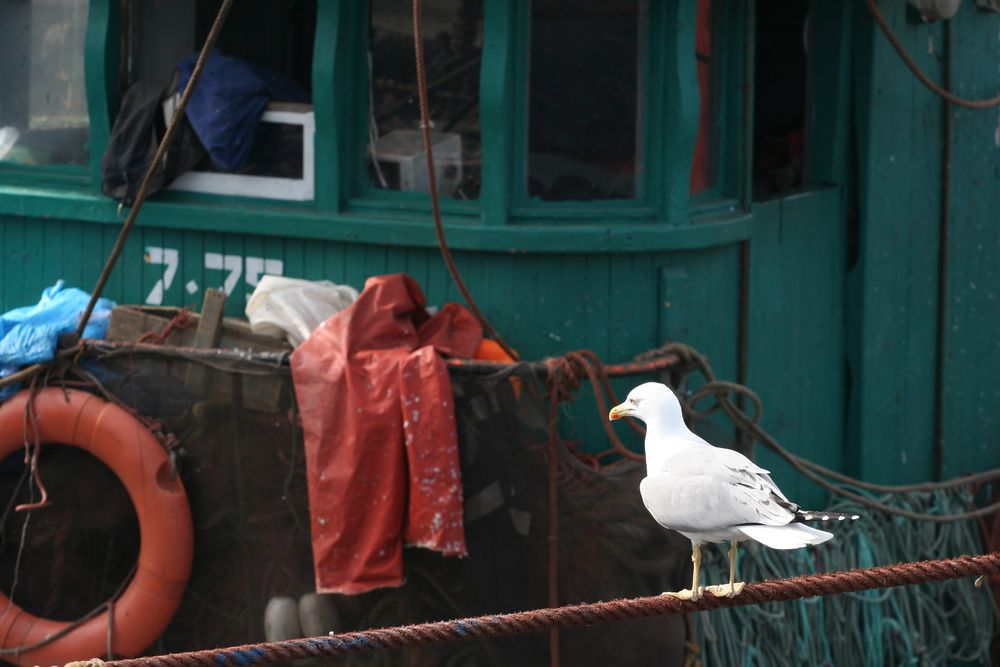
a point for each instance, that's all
(619, 411)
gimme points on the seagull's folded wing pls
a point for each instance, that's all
(711, 490)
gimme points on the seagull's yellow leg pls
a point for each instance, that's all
(734, 588)
(694, 592)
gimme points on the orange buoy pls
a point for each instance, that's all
(166, 549)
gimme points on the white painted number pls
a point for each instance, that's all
(169, 257)
(258, 266)
(236, 266)
(231, 263)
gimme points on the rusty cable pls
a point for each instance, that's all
(425, 127)
(571, 616)
(919, 73)
(147, 180)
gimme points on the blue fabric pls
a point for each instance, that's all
(228, 102)
(29, 335)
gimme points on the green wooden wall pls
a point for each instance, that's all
(543, 303)
(924, 399)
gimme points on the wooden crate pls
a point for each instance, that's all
(129, 323)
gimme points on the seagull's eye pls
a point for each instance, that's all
(632, 401)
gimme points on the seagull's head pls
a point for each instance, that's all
(650, 401)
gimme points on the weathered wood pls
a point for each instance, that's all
(206, 335)
(795, 331)
(892, 297)
(970, 390)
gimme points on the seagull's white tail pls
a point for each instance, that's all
(792, 536)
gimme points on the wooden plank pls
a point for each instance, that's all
(795, 333)
(970, 393)
(206, 336)
(893, 295)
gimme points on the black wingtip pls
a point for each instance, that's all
(813, 515)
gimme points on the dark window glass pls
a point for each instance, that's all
(43, 101)
(453, 44)
(779, 96)
(584, 112)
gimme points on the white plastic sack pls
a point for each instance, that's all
(291, 308)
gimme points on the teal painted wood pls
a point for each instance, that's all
(674, 83)
(795, 330)
(496, 89)
(970, 392)
(329, 71)
(101, 73)
(894, 287)
(699, 304)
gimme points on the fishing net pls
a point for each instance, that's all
(229, 422)
(230, 425)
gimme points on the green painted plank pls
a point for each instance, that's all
(795, 345)
(893, 335)
(236, 250)
(191, 276)
(14, 267)
(334, 264)
(69, 244)
(36, 278)
(130, 269)
(970, 393)
(596, 283)
(496, 89)
(312, 260)
(607, 233)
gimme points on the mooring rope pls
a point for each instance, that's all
(571, 616)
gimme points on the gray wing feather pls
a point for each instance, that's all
(713, 489)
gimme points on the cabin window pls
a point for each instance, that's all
(453, 43)
(274, 36)
(43, 102)
(585, 100)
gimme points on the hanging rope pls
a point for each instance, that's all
(572, 616)
(919, 73)
(161, 151)
(425, 127)
(689, 360)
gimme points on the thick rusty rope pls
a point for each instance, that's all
(161, 151)
(182, 320)
(425, 127)
(919, 73)
(571, 616)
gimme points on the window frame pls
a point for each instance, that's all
(670, 112)
(78, 175)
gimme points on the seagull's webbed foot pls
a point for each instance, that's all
(687, 594)
(726, 590)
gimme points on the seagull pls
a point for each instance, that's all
(711, 494)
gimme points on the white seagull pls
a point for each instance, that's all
(711, 494)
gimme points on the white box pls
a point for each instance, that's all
(269, 187)
(400, 156)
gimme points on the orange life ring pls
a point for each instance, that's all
(166, 548)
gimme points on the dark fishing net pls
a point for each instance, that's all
(238, 448)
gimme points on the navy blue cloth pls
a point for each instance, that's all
(228, 102)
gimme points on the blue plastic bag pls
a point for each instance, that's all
(29, 335)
